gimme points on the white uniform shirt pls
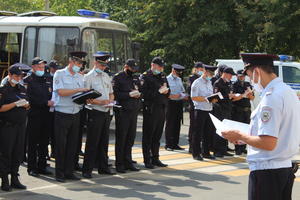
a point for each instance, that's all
(277, 115)
(176, 85)
(202, 88)
(100, 82)
(63, 79)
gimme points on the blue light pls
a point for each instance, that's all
(89, 13)
(286, 58)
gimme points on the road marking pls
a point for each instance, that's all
(239, 172)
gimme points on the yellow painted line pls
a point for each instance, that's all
(168, 157)
(239, 172)
(210, 163)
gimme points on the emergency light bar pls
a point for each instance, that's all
(284, 58)
(89, 13)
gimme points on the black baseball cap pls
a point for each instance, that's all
(229, 70)
(38, 60)
(240, 72)
(222, 67)
(15, 69)
(131, 63)
(159, 61)
(54, 64)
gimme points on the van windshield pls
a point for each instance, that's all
(290, 74)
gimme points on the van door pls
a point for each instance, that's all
(291, 76)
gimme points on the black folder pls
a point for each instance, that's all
(83, 96)
(217, 96)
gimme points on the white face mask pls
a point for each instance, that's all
(257, 86)
(14, 81)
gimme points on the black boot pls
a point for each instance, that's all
(15, 183)
(5, 183)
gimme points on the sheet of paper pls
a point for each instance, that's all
(227, 124)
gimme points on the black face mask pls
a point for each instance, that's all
(179, 73)
(129, 72)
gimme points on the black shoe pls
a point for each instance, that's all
(15, 183)
(208, 156)
(78, 168)
(86, 175)
(177, 147)
(45, 172)
(72, 177)
(198, 158)
(227, 154)
(120, 170)
(238, 152)
(133, 162)
(33, 173)
(169, 148)
(149, 166)
(5, 184)
(132, 168)
(106, 171)
(158, 163)
(218, 155)
(229, 149)
(60, 179)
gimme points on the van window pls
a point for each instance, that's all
(290, 74)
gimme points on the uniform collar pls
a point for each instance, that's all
(270, 86)
(96, 73)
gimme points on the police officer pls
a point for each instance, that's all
(98, 118)
(155, 91)
(39, 94)
(174, 112)
(274, 131)
(66, 83)
(202, 137)
(126, 87)
(13, 114)
(241, 109)
(196, 73)
(219, 74)
(223, 108)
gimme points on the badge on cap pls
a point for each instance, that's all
(266, 114)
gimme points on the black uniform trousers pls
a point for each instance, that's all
(126, 122)
(66, 138)
(191, 127)
(219, 143)
(153, 124)
(202, 137)
(12, 138)
(83, 121)
(271, 184)
(96, 141)
(38, 138)
(173, 122)
(241, 114)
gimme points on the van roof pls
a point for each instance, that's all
(62, 21)
(240, 62)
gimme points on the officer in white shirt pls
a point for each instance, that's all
(98, 117)
(66, 83)
(202, 136)
(274, 131)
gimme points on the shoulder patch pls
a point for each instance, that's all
(266, 114)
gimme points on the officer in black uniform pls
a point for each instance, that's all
(219, 74)
(39, 94)
(155, 91)
(126, 90)
(241, 110)
(222, 109)
(13, 114)
(197, 72)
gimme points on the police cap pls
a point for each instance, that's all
(54, 64)
(258, 59)
(37, 60)
(78, 56)
(15, 69)
(102, 56)
(210, 68)
(159, 61)
(132, 64)
(178, 67)
(198, 65)
(229, 70)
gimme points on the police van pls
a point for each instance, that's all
(44, 34)
(286, 69)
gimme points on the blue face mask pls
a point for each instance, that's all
(75, 68)
(39, 73)
(200, 73)
(208, 78)
(156, 72)
(98, 70)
